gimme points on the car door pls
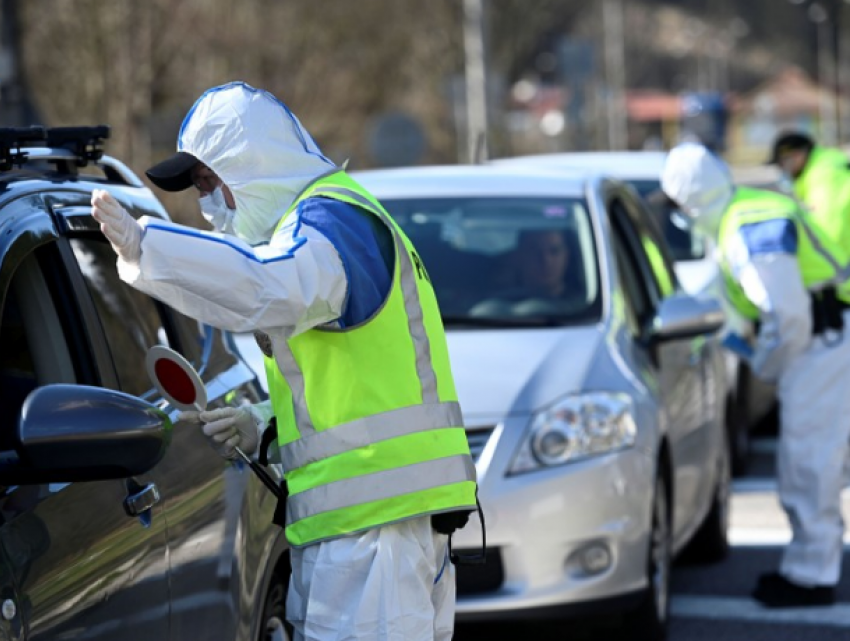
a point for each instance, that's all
(679, 363)
(82, 567)
(205, 498)
(706, 356)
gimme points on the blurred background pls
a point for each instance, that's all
(389, 82)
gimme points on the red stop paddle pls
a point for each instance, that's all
(181, 385)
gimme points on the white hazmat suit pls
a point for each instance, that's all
(812, 373)
(390, 583)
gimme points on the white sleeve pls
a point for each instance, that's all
(774, 284)
(286, 287)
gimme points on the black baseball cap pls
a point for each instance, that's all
(173, 174)
(790, 141)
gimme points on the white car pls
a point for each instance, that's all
(749, 400)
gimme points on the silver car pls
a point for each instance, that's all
(749, 401)
(593, 403)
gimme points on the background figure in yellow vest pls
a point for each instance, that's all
(782, 271)
(368, 426)
(820, 178)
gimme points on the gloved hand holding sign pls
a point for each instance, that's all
(122, 230)
(229, 428)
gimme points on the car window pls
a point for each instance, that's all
(130, 320)
(652, 244)
(506, 261)
(632, 268)
(35, 351)
(685, 243)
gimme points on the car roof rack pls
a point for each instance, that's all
(13, 139)
(85, 142)
(69, 148)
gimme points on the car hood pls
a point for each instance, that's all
(502, 371)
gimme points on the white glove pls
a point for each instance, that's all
(118, 226)
(228, 428)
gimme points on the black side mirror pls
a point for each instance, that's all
(79, 433)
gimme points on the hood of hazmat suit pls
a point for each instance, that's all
(258, 148)
(700, 183)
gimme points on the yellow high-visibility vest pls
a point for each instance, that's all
(820, 259)
(369, 426)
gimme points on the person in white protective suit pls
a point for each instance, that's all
(368, 427)
(785, 274)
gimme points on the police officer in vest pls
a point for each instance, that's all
(820, 178)
(369, 430)
(778, 270)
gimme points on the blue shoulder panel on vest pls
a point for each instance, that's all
(777, 236)
(365, 246)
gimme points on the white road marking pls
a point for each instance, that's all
(754, 537)
(744, 609)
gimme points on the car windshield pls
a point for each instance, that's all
(684, 242)
(506, 262)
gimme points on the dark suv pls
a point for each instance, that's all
(114, 523)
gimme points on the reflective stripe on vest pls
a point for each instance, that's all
(386, 484)
(316, 446)
(409, 459)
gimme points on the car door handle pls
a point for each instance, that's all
(142, 500)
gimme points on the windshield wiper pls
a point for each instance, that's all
(510, 321)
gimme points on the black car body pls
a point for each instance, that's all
(114, 523)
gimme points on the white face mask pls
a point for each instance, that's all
(216, 212)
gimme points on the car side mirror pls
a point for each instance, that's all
(681, 316)
(79, 433)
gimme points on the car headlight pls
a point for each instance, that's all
(574, 428)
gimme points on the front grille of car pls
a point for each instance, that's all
(477, 579)
(478, 437)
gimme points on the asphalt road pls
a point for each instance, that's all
(712, 603)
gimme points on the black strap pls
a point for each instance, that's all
(279, 516)
(478, 558)
(281, 492)
(828, 315)
(269, 437)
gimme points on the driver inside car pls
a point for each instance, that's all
(541, 259)
(535, 279)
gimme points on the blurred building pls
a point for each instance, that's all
(789, 100)
(653, 119)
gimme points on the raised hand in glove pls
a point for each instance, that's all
(122, 230)
(228, 428)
